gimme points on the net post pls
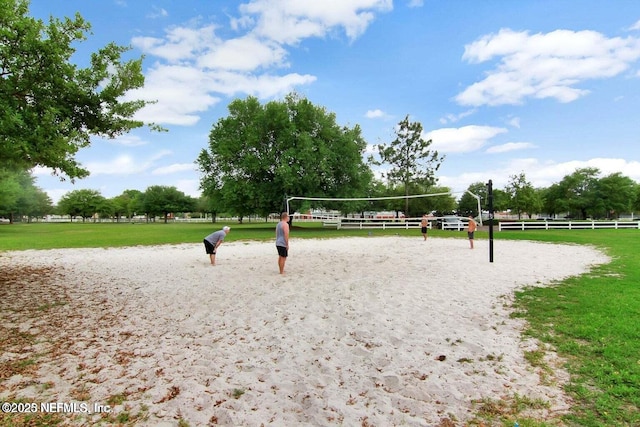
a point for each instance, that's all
(490, 200)
(285, 207)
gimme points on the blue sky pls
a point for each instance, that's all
(501, 87)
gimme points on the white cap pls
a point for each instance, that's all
(226, 228)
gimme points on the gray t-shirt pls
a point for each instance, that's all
(216, 237)
(280, 240)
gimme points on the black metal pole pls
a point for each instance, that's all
(490, 200)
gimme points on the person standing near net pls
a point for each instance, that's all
(213, 240)
(471, 230)
(282, 240)
(423, 226)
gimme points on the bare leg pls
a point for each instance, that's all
(471, 243)
(213, 259)
(281, 261)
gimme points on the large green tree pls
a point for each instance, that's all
(409, 157)
(552, 203)
(84, 203)
(19, 195)
(32, 202)
(163, 200)
(636, 202)
(501, 200)
(616, 195)
(577, 193)
(524, 197)
(127, 204)
(259, 154)
(49, 107)
(9, 190)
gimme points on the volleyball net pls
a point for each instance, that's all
(382, 198)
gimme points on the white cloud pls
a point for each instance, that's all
(55, 194)
(635, 27)
(244, 54)
(180, 92)
(195, 67)
(129, 140)
(290, 21)
(510, 146)
(241, 23)
(452, 118)
(375, 114)
(174, 168)
(464, 139)
(546, 65)
(416, 3)
(190, 187)
(158, 12)
(179, 43)
(371, 149)
(262, 86)
(124, 164)
(41, 171)
(515, 122)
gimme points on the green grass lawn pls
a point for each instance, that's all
(592, 320)
(88, 235)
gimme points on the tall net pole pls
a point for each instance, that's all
(490, 200)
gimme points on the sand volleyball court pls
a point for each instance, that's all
(360, 331)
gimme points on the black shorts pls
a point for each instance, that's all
(424, 230)
(211, 250)
(282, 251)
(470, 234)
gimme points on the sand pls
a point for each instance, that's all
(359, 331)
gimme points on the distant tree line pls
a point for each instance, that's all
(25, 201)
(579, 195)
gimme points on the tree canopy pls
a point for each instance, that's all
(410, 159)
(49, 107)
(163, 200)
(19, 195)
(524, 197)
(575, 193)
(259, 154)
(84, 203)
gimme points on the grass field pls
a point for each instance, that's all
(592, 320)
(87, 235)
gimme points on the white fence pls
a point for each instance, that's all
(364, 224)
(567, 225)
(389, 224)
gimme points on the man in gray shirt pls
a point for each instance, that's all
(282, 240)
(213, 240)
